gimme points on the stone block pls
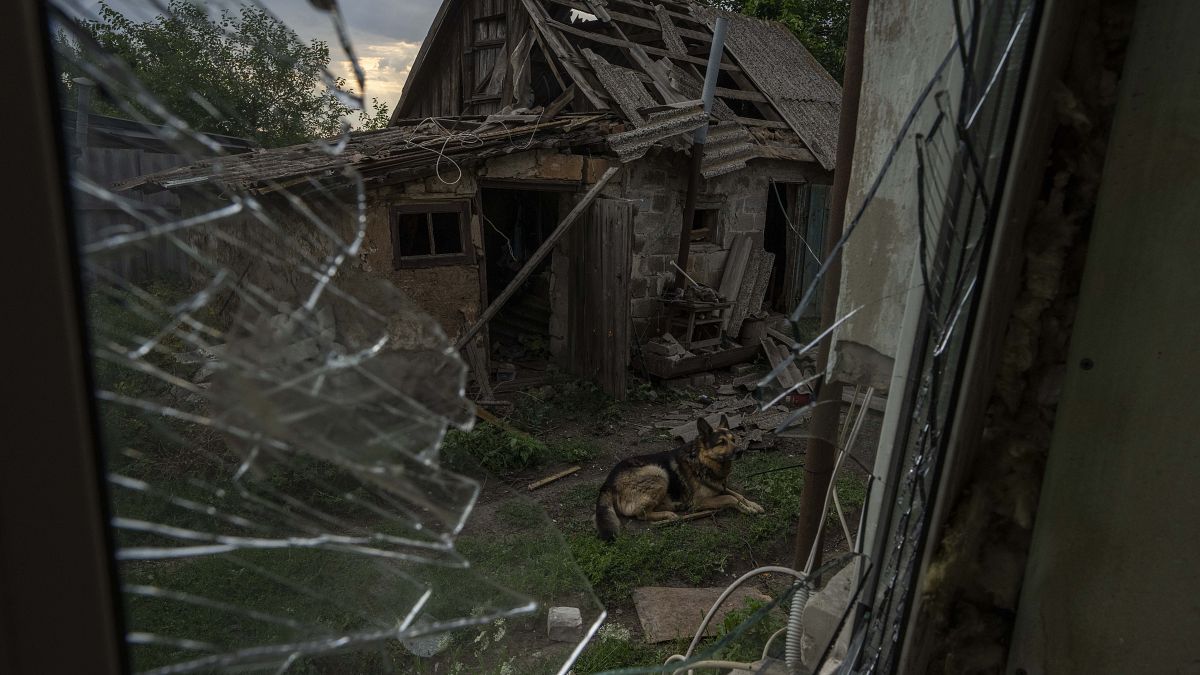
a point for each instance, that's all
(822, 614)
(639, 242)
(516, 165)
(596, 168)
(674, 613)
(644, 308)
(560, 167)
(704, 380)
(564, 624)
(639, 287)
(742, 369)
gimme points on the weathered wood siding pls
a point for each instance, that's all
(467, 70)
(599, 318)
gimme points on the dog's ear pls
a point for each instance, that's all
(724, 421)
(703, 427)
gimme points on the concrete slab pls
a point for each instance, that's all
(673, 613)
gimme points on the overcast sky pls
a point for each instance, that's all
(386, 35)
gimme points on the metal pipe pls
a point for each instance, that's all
(716, 49)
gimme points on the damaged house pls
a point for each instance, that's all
(531, 189)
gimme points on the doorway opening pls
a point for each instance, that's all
(515, 223)
(779, 238)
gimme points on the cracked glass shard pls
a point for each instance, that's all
(271, 410)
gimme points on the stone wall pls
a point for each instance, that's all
(658, 186)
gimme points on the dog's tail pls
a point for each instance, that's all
(607, 522)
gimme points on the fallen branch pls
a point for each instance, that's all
(550, 479)
(680, 519)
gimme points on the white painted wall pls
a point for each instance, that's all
(905, 43)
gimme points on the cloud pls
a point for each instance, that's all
(385, 34)
(386, 67)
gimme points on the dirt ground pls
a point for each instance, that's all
(569, 502)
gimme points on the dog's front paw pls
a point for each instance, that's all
(747, 506)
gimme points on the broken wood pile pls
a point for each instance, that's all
(744, 281)
(419, 148)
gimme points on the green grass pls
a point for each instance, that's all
(615, 647)
(502, 452)
(580, 498)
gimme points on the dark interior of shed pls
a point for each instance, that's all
(515, 223)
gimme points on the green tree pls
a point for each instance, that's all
(820, 24)
(242, 74)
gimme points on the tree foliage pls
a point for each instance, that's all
(820, 24)
(243, 74)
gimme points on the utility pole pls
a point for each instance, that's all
(821, 452)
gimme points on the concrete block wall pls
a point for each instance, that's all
(658, 184)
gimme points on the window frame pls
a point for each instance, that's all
(464, 257)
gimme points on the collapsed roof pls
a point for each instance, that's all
(626, 56)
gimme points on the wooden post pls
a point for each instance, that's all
(822, 450)
(537, 257)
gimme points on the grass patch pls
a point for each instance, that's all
(748, 647)
(580, 497)
(615, 647)
(502, 452)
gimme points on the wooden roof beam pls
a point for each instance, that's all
(616, 42)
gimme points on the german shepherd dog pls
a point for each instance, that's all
(659, 485)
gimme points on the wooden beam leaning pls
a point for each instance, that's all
(605, 39)
(538, 255)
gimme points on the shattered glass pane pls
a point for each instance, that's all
(271, 412)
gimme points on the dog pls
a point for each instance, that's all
(660, 485)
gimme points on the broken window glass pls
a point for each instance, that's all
(271, 412)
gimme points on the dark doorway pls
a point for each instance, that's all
(781, 207)
(515, 223)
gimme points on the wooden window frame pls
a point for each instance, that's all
(465, 257)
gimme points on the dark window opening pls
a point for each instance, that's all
(447, 233)
(705, 224)
(430, 234)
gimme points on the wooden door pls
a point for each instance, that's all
(814, 208)
(600, 253)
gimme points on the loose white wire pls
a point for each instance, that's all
(721, 600)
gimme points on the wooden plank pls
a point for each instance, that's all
(735, 267)
(788, 153)
(741, 304)
(774, 357)
(760, 285)
(550, 60)
(478, 365)
(556, 106)
(565, 52)
(550, 479)
(767, 124)
(539, 254)
(617, 42)
(665, 368)
(649, 7)
(684, 518)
